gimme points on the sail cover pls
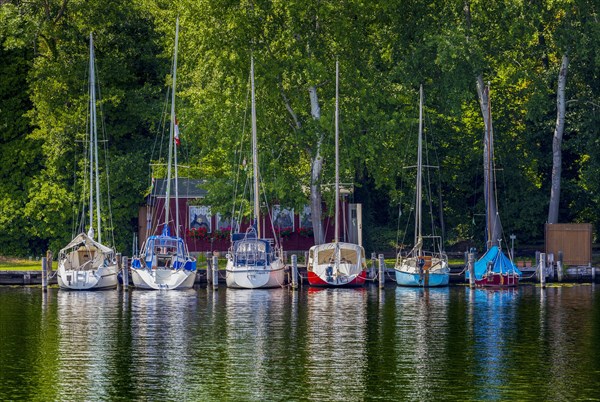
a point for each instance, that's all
(500, 264)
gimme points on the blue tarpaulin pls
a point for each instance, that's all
(500, 264)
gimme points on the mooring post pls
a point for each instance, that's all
(208, 269)
(294, 271)
(373, 266)
(125, 271)
(559, 266)
(50, 258)
(542, 269)
(215, 272)
(381, 272)
(44, 274)
(471, 268)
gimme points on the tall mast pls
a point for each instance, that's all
(419, 195)
(94, 147)
(337, 152)
(255, 151)
(91, 150)
(493, 225)
(172, 138)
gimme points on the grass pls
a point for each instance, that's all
(16, 264)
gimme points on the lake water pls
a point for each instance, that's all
(330, 344)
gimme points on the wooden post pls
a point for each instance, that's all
(285, 257)
(373, 266)
(294, 271)
(559, 266)
(542, 269)
(125, 271)
(215, 272)
(471, 268)
(45, 274)
(208, 269)
(381, 272)
(49, 257)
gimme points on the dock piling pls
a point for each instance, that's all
(373, 268)
(559, 266)
(471, 268)
(45, 274)
(294, 271)
(125, 271)
(215, 272)
(381, 272)
(208, 269)
(542, 269)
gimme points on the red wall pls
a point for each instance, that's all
(294, 241)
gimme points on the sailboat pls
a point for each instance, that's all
(86, 263)
(254, 261)
(494, 268)
(336, 264)
(164, 262)
(421, 267)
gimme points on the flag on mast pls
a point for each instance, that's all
(176, 136)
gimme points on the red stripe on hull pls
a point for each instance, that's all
(316, 280)
(498, 281)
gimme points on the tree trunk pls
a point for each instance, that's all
(493, 225)
(316, 172)
(557, 142)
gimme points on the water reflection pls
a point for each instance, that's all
(493, 319)
(330, 344)
(421, 335)
(86, 343)
(336, 343)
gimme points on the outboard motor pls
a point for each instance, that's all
(329, 273)
(421, 264)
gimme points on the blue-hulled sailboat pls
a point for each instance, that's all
(422, 267)
(494, 268)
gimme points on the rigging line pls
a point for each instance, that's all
(106, 161)
(241, 156)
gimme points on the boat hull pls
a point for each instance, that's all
(497, 280)
(429, 279)
(162, 279)
(101, 278)
(243, 277)
(338, 282)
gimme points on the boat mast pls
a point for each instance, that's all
(492, 220)
(419, 195)
(172, 139)
(93, 156)
(337, 161)
(254, 151)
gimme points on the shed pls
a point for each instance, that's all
(573, 239)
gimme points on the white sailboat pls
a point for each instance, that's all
(254, 261)
(422, 267)
(336, 264)
(86, 263)
(164, 261)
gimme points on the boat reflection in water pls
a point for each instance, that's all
(421, 342)
(336, 339)
(86, 344)
(493, 322)
(162, 343)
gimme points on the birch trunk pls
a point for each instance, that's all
(316, 172)
(557, 142)
(493, 226)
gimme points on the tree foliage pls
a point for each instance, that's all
(385, 50)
